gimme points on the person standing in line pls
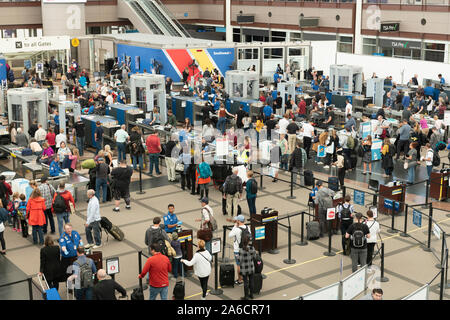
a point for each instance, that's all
(387, 158)
(412, 162)
(176, 260)
(404, 134)
(158, 267)
(250, 187)
(79, 133)
(47, 192)
(429, 159)
(345, 213)
(93, 221)
(308, 134)
(296, 162)
(61, 207)
(236, 234)
(106, 289)
(374, 228)
(367, 155)
(247, 254)
(232, 191)
(154, 149)
(50, 265)
(84, 268)
(137, 148)
(98, 135)
(36, 216)
(122, 177)
(202, 266)
(155, 233)
(121, 137)
(101, 180)
(324, 198)
(203, 173)
(170, 161)
(3, 220)
(205, 221)
(358, 232)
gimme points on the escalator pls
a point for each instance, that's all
(136, 6)
(161, 18)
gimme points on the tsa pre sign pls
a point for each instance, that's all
(331, 213)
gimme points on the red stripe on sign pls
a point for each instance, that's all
(180, 57)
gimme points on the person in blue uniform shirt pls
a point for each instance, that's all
(441, 79)
(170, 220)
(216, 104)
(205, 95)
(69, 242)
(276, 77)
(267, 110)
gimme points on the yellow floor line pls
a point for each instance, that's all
(323, 257)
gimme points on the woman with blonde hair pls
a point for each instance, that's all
(74, 157)
(367, 155)
(108, 155)
(202, 266)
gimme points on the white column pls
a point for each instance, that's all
(228, 27)
(358, 21)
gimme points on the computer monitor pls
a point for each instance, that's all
(373, 185)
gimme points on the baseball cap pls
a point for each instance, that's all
(319, 183)
(204, 200)
(240, 218)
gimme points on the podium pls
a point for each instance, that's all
(269, 220)
(336, 223)
(439, 185)
(185, 237)
(395, 193)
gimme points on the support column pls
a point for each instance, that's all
(228, 28)
(358, 22)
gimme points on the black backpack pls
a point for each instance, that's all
(231, 186)
(436, 159)
(245, 233)
(358, 236)
(59, 205)
(346, 214)
(253, 186)
(159, 239)
(86, 274)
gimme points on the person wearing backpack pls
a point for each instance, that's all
(247, 254)
(251, 188)
(345, 213)
(232, 191)
(155, 234)
(84, 269)
(61, 206)
(207, 222)
(358, 234)
(201, 261)
(430, 159)
(239, 231)
(296, 162)
(324, 198)
(36, 215)
(203, 175)
(374, 228)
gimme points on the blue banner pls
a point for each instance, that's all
(358, 197)
(388, 204)
(260, 233)
(417, 218)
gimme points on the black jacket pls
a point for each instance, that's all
(105, 290)
(50, 262)
(296, 159)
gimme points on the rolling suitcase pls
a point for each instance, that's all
(333, 183)
(226, 276)
(312, 230)
(257, 283)
(111, 229)
(49, 293)
(309, 178)
(179, 289)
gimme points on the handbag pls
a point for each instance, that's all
(405, 165)
(204, 234)
(179, 167)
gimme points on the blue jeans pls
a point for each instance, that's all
(62, 218)
(101, 182)
(429, 170)
(221, 124)
(96, 227)
(137, 159)
(163, 291)
(80, 145)
(83, 294)
(98, 145)
(251, 205)
(176, 266)
(154, 161)
(121, 151)
(37, 230)
(411, 174)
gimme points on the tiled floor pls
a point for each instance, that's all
(406, 265)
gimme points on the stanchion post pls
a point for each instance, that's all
(442, 285)
(224, 244)
(140, 268)
(446, 269)
(302, 241)
(289, 260)
(441, 262)
(291, 196)
(427, 193)
(382, 278)
(329, 253)
(405, 228)
(30, 288)
(261, 177)
(140, 180)
(392, 229)
(216, 290)
(375, 200)
(430, 223)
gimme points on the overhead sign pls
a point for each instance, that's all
(400, 44)
(112, 265)
(390, 26)
(358, 197)
(215, 245)
(247, 18)
(75, 42)
(331, 213)
(417, 218)
(15, 45)
(260, 233)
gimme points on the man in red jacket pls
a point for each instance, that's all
(62, 212)
(158, 267)
(153, 144)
